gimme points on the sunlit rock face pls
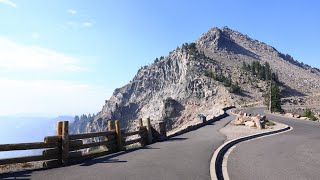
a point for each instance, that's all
(175, 89)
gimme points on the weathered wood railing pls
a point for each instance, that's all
(29, 146)
(65, 148)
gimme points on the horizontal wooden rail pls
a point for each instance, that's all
(50, 139)
(55, 151)
(134, 133)
(75, 143)
(27, 146)
(91, 135)
(111, 137)
(93, 144)
(25, 159)
(63, 148)
(75, 154)
(132, 141)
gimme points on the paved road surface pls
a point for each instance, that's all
(183, 157)
(294, 155)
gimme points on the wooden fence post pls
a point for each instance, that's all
(140, 123)
(59, 128)
(149, 136)
(162, 129)
(118, 132)
(111, 125)
(65, 143)
(59, 133)
(141, 134)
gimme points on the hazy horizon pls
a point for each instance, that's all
(26, 129)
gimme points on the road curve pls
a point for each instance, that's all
(183, 157)
(293, 155)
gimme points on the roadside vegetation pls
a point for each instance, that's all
(309, 114)
(275, 99)
(270, 123)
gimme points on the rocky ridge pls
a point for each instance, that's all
(175, 89)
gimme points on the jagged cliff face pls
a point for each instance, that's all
(175, 89)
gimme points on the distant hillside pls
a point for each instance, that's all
(203, 77)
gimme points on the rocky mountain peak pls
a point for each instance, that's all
(196, 78)
(222, 40)
(214, 38)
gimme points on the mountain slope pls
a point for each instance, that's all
(175, 88)
(236, 47)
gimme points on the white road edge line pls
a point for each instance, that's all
(216, 154)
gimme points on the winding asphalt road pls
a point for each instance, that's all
(293, 155)
(183, 157)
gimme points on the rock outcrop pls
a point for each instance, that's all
(257, 121)
(175, 88)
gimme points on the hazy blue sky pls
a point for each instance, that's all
(66, 57)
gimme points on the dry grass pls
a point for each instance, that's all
(20, 167)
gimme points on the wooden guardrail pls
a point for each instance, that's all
(64, 148)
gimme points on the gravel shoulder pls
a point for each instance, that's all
(20, 167)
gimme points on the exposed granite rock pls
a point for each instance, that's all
(250, 121)
(175, 90)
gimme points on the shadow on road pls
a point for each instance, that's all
(176, 139)
(109, 158)
(96, 161)
(24, 175)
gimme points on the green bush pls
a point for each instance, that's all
(270, 123)
(309, 114)
(235, 88)
(209, 73)
(227, 82)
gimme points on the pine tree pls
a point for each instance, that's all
(275, 77)
(76, 118)
(276, 99)
(262, 73)
(84, 118)
(267, 70)
(244, 66)
(253, 67)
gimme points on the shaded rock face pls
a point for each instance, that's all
(175, 90)
(171, 110)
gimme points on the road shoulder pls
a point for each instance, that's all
(235, 135)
